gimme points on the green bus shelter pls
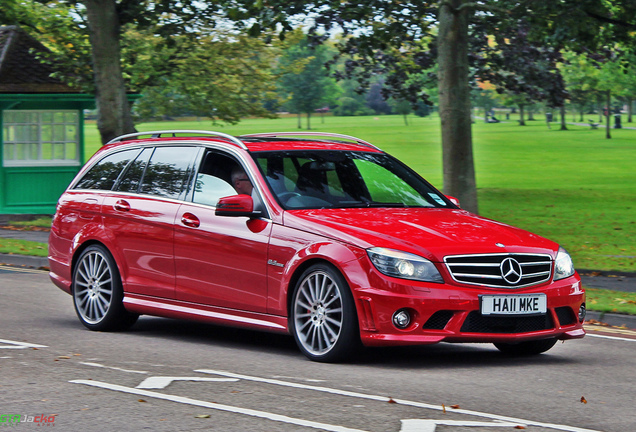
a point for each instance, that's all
(42, 122)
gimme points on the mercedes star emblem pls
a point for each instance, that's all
(511, 271)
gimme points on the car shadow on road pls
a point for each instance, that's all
(441, 355)
(446, 355)
(212, 334)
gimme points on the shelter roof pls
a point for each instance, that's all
(20, 69)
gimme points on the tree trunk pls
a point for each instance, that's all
(406, 121)
(114, 117)
(454, 104)
(607, 122)
(563, 124)
(630, 102)
(308, 121)
(300, 124)
(522, 120)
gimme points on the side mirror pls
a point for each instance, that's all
(453, 200)
(236, 205)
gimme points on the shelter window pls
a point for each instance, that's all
(46, 137)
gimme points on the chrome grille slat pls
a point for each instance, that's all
(475, 275)
(485, 269)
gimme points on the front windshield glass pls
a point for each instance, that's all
(344, 179)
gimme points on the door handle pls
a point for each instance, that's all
(122, 206)
(188, 219)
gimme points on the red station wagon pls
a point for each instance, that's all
(323, 236)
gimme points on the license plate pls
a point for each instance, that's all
(514, 304)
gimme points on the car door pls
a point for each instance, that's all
(220, 261)
(140, 215)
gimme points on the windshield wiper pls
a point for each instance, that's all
(369, 204)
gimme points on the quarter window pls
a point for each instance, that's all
(105, 172)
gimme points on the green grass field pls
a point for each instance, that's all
(575, 187)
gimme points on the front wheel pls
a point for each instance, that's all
(526, 348)
(323, 317)
(97, 291)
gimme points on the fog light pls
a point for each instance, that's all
(402, 319)
(582, 313)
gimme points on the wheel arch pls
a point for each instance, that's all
(343, 258)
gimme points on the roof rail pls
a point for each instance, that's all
(158, 134)
(316, 134)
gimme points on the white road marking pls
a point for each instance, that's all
(113, 368)
(418, 425)
(160, 382)
(611, 337)
(398, 401)
(216, 406)
(300, 379)
(19, 345)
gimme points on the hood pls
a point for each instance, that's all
(429, 232)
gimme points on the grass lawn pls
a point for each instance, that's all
(43, 222)
(609, 301)
(575, 187)
(23, 247)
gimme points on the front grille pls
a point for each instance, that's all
(438, 320)
(500, 270)
(478, 323)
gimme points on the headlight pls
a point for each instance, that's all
(563, 266)
(404, 265)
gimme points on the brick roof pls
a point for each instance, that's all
(20, 70)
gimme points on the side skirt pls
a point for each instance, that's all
(144, 305)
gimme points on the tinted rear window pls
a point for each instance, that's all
(104, 174)
(168, 171)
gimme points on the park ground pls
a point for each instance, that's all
(575, 187)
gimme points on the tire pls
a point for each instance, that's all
(97, 292)
(323, 317)
(528, 348)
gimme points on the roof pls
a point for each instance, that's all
(20, 70)
(276, 141)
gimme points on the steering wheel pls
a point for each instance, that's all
(286, 196)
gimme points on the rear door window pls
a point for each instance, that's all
(168, 171)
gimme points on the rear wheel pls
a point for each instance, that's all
(526, 348)
(97, 291)
(323, 318)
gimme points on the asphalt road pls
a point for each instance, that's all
(167, 375)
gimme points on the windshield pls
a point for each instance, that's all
(344, 179)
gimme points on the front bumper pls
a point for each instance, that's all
(447, 313)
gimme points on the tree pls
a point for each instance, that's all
(170, 51)
(402, 107)
(352, 102)
(104, 22)
(310, 87)
(375, 100)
